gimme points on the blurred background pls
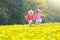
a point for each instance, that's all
(14, 11)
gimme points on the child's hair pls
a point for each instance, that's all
(30, 11)
(38, 10)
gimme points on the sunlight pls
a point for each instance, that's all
(56, 1)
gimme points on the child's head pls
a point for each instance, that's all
(30, 12)
(38, 11)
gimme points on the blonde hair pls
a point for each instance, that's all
(30, 11)
(39, 10)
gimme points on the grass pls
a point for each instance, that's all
(46, 31)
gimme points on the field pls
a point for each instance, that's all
(46, 31)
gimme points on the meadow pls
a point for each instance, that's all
(46, 31)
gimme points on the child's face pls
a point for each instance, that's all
(38, 11)
(31, 12)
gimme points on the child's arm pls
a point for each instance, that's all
(35, 16)
(44, 15)
(26, 17)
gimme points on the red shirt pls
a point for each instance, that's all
(30, 17)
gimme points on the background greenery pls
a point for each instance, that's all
(14, 11)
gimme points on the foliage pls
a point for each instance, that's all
(14, 11)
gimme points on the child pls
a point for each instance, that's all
(30, 17)
(38, 16)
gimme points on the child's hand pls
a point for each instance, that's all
(33, 18)
(45, 15)
(25, 17)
